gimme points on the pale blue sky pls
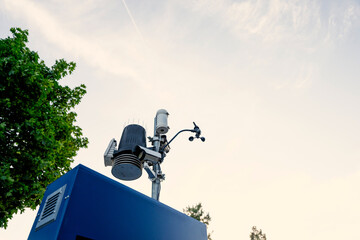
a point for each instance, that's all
(273, 85)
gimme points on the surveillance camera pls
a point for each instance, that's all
(145, 154)
(161, 121)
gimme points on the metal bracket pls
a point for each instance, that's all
(153, 176)
(150, 172)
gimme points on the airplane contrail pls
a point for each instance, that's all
(133, 21)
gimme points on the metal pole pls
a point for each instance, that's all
(156, 187)
(155, 191)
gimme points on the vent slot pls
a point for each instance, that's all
(51, 208)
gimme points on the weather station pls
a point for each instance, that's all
(84, 204)
(132, 154)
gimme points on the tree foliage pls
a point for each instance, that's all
(257, 234)
(38, 138)
(197, 212)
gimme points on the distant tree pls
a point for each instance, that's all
(197, 212)
(38, 138)
(257, 234)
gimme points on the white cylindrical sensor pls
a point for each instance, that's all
(161, 121)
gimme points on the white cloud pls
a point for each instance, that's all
(281, 20)
(96, 52)
(341, 20)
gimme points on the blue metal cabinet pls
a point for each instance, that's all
(84, 204)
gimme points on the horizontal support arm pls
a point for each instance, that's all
(184, 130)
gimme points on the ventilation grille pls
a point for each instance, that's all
(51, 208)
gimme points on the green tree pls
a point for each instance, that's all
(257, 234)
(197, 212)
(38, 138)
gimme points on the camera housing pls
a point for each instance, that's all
(146, 154)
(161, 121)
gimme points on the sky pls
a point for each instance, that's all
(273, 85)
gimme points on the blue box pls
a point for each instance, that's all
(83, 204)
